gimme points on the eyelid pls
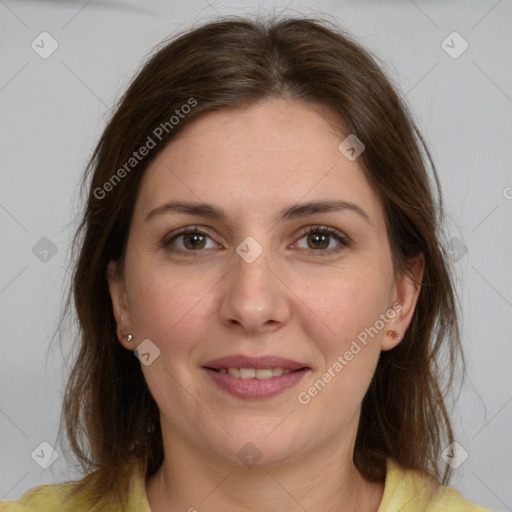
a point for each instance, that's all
(343, 240)
(323, 229)
(168, 239)
(185, 229)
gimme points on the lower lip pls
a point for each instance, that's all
(255, 388)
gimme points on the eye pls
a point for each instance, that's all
(189, 239)
(323, 239)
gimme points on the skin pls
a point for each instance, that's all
(290, 302)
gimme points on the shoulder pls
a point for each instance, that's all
(414, 491)
(70, 497)
(46, 498)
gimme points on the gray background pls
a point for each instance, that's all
(54, 109)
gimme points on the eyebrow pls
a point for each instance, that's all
(293, 212)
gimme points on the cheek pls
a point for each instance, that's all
(342, 315)
(171, 309)
(348, 339)
(167, 305)
(343, 305)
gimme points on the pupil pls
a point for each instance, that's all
(194, 241)
(319, 241)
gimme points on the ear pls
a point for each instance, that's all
(117, 289)
(406, 291)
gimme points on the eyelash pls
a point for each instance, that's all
(317, 229)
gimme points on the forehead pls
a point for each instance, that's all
(270, 154)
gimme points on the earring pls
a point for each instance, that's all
(394, 334)
(129, 337)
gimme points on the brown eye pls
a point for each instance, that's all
(189, 240)
(194, 241)
(323, 240)
(318, 241)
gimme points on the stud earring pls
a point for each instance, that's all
(129, 337)
(394, 334)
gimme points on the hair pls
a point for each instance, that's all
(110, 417)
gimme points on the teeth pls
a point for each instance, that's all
(251, 373)
(247, 373)
(234, 371)
(264, 373)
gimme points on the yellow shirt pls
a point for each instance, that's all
(405, 491)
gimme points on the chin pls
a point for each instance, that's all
(259, 442)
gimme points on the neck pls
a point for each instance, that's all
(324, 480)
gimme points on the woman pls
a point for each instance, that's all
(262, 234)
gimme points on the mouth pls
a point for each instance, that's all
(255, 377)
(253, 373)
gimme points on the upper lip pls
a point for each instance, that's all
(240, 361)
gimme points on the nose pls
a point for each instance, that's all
(255, 298)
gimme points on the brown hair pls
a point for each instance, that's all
(110, 417)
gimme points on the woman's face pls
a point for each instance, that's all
(285, 271)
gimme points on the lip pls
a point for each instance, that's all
(255, 388)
